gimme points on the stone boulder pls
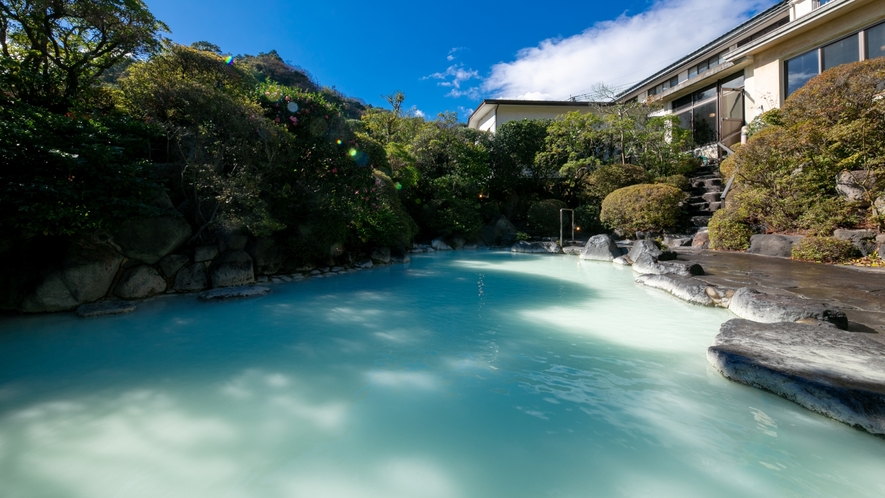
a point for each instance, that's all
(192, 278)
(232, 268)
(238, 292)
(648, 265)
(440, 245)
(104, 309)
(499, 232)
(267, 256)
(838, 374)
(205, 253)
(780, 246)
(84, 274)
(364, 264)
(688, 289)
(674, 240)
(149, 239)
(170, 264)
(600, 248)
(854, 185)
(458, 242)
(399, 256)
(863, 240)
(641, 247)
(381, 255)
(622, 261)
(536, 247)
(766, 308)
(140, 282)
(701, 239)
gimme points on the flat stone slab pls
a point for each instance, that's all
(233, 293)
(536, 247)
(766, 308)
(688, 289)
(835, 373)
(648, 265)
(105, 309)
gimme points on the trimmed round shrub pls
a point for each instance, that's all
(823, 250)
(729, 231)
(678, 181)
(609, 178)
(543, 217)
(643, 207)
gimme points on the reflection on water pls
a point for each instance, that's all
(459, 375)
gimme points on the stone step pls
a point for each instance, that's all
(712, 196)
(700, 221)
(715, 206)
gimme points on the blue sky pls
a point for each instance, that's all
(450, 55)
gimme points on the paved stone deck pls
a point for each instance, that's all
(858, 291)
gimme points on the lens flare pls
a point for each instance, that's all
(229, 60)
(292, 106)
(353, 152)
(339, 142)
(399, 186)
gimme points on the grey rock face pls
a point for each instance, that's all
(753, 305)
(205, 253)
(440, 245)
(233, 293)
(366, 263)
(688, 289)
(381, 255)
(573, 250)
(458, 242)
(838, 374)
(853, 185)
(536, 247)
(192, 278)
(140, 282)
(648, 265)
(600, 248)
(104, 309)
(641, 247)
(170, 264)
(267, 256)
(773, 245)
(863, 240)
(499, 232)
(399, 256)
(701, 240)
(622, 261)
(677, 240)
(149, 239)
(232, 268)
(85, 274)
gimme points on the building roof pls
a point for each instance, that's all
(767, 15)
(488, 103)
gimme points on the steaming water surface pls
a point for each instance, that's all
(460, 375)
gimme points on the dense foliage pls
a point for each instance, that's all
(785, 174)
(643, 207)
(729, 231)
(823, 250)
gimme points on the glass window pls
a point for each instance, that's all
(737, 81)
(682, 103)
(685, 120)
(705, 94)
(876, 42)
(692, 72)
(702, 67)
(704, 123)
(801, 69)
(841, 52)
(674, 80)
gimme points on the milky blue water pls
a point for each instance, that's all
(472, 374)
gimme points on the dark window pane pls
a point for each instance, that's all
(704, 123)
(800, 69)
(702, 67)
(685, 120)
(682, 103)
(674, 80)
(876, 41)
(704, 94)
(841, 52)
(692, 72)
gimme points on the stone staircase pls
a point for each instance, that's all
(706, 194)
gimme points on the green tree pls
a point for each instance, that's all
(54, 51)
(512, 151)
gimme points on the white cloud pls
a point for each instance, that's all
(418, 113)
(619, 52)
(453, 77)
(452, 53)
